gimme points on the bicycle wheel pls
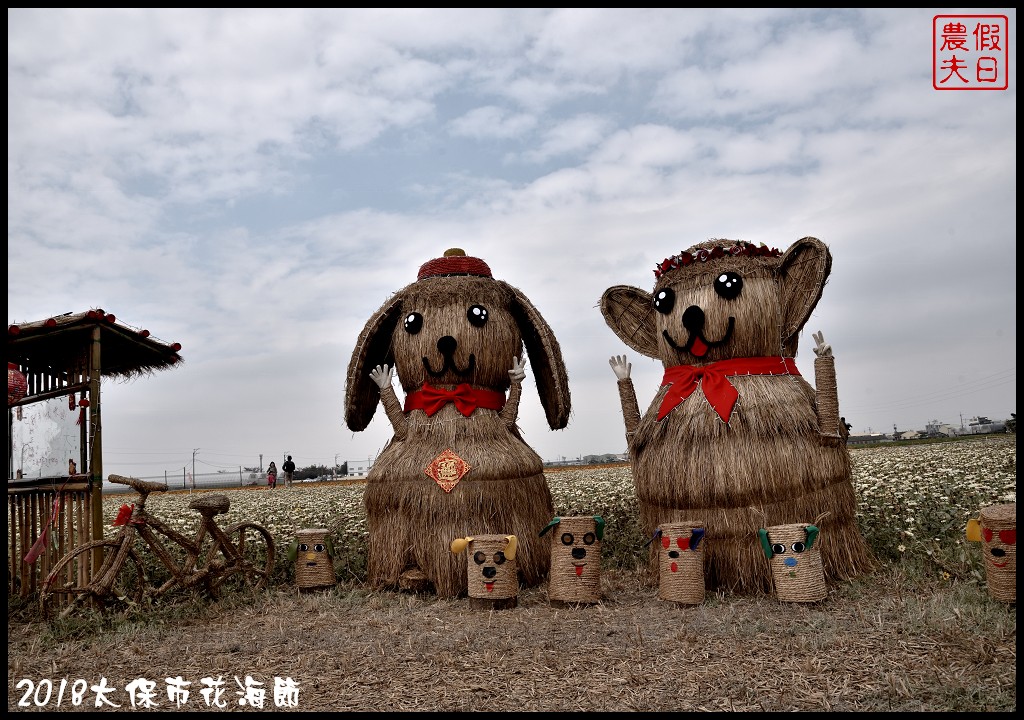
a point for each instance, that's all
(66, 590)
(255, 545)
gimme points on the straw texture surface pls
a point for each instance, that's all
(680, 566)
(1001, 556)
(490, 573)
(575, 575)
(798, 574)
(314, 567)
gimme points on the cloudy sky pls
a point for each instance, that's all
(255, 184)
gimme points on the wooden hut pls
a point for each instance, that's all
(66, 357)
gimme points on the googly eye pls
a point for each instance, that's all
(728, 285)
(568, 539)
(589, 538)
(799, 547)
(319, 547)
(479, 557)
(304, 547)
(664, 300)
(477, 315)
(778, 548)
(413, 323)
(499, 558)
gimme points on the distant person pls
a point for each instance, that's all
(289, 471)
(272, 475)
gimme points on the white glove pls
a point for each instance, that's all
(382, 375)
(620, 366)
(821, 348)
(518, 371)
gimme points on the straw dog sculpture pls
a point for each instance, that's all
(735, 437)
(457, 465)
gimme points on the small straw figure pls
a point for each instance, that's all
(997, 531)
(491, 573)
(575, 575)
(795, 561)
(313, 555)
(680, 561)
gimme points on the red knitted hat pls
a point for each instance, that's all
(454, 262)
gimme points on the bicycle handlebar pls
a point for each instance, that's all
(142, 486)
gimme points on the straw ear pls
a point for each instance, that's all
(812, 535)
(696, 535)
(599, 527)
(293, 550)
(510, 549)
(330, 547)
(802, 274)
(373, 347)
(765, 543)
(974, 530)
(545, 357)
(655, 536)
(629, 312)
(460, 544)
(554, 521)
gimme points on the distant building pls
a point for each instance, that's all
(867, 438)
(939, 429)
(982, 426)
(358, 468)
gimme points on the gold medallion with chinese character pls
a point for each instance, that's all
(447, 469)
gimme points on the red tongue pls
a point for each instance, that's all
(698, 348)
(579, 571)
(489, 586)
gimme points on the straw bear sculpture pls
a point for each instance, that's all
(457, 465)
(735, 436)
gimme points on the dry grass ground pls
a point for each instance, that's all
(881, 643)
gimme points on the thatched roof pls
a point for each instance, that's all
(58, 341)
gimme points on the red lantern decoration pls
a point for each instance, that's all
(17, 385)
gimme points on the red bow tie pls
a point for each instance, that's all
(466, 399)
(712, 378)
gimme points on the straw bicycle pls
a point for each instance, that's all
(216, 559)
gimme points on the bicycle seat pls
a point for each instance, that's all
(215, 504)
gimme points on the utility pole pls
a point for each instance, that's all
(194, 466)
(261, 462)
(334, 470)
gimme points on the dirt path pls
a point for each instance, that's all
(871, 645)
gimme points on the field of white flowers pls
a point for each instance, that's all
(914, 502)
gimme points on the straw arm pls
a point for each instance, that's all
(827, 395)
(510, 412)
(393, 408)
(630, 408)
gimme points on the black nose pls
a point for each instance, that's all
(446, 345)
(693, 319)
(579, 553)
(490, 572)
